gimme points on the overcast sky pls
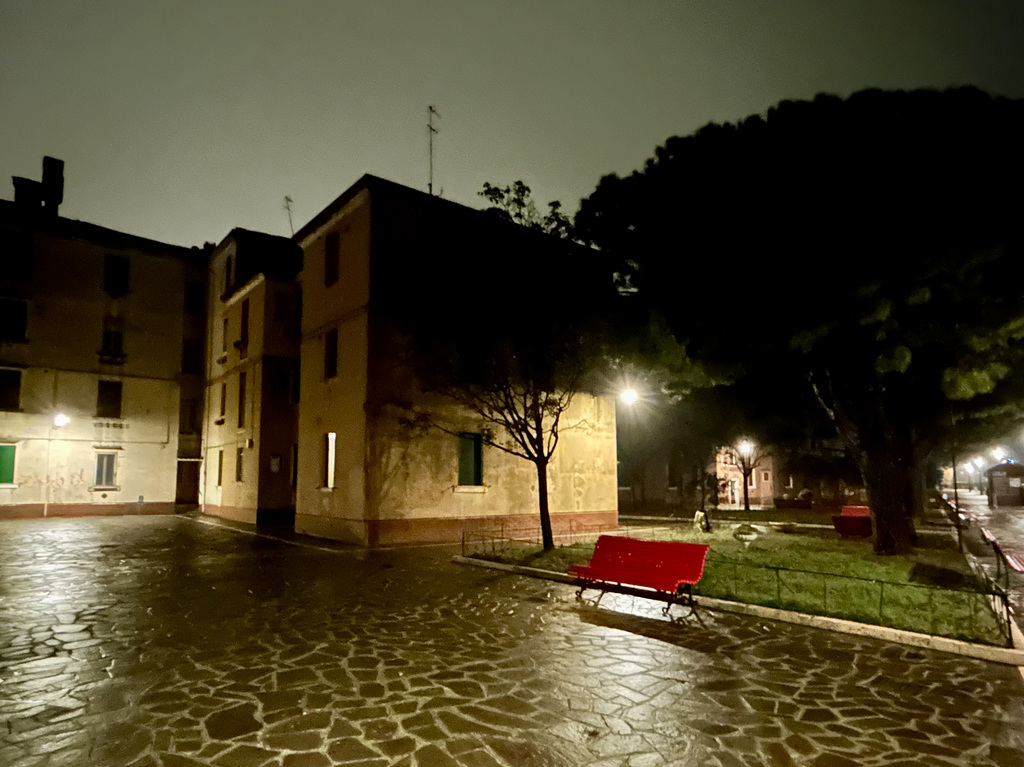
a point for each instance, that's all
(179, 120)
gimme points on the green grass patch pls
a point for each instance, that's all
(930, 590)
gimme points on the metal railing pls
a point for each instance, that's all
(969, 614)
(508, 539)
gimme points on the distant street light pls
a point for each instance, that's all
(746, 450)
(998, 453)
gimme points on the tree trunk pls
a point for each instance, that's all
(545, 515)
(886, 478)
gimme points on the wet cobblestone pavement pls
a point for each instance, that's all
(169, 643)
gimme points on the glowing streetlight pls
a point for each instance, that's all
(746, 447)
(60, 421)
(978, 461)
(628, 396)
(998, 453)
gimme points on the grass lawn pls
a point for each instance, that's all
(931, 590)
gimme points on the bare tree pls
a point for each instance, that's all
(747, 457)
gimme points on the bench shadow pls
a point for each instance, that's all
(685, 632)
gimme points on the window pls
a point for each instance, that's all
(227, 275)
(224, 337)
(112, 346)
(220, 468)
(239, 453)
(471, 458)
(330, 454)
(17, 247)
(223, 399)
(106, 465)
(13, 319)
(331, 354)
(7, 454)
(332, 253)
(188, 417)
(752, 480)
(241, 400)
(243, 331)
(10, 389)
(294, 381)
(192, 356)
(195, 298)
(108, 399)
(765, 476)
(115, 275)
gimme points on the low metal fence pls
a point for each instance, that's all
(505, 540)
(969, 614)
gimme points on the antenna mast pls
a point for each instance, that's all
(288, 207)
(431, 130)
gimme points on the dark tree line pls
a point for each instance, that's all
(863, 255)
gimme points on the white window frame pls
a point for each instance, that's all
(14, 468)
(330, 459)
(112, 485)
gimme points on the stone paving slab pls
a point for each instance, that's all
(161, 642)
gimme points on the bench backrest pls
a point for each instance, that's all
(681, 560)
(855, 511)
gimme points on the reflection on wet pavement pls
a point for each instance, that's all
(161, 641)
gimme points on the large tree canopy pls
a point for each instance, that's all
(867, 250)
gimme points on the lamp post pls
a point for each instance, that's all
(59, 421)
(628, 396)
(746, 450)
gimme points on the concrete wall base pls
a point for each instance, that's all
(37, 510)
(433, 530)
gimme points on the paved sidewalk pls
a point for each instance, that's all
(1007, 525)
(164, 642)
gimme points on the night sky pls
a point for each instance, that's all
(180, 120)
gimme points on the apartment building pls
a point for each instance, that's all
(366, 473)
(251, 403)
(101, 350)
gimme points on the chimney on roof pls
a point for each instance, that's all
(53, 184)
(45, 195)
(27, 193)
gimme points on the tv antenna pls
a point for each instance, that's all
(431, 130)
(288, 207)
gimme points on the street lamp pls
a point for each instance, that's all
(746, 449)
(998, 453)
(59, 421)
(628, 396)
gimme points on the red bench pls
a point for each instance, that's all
(853, 522)
(657, 569)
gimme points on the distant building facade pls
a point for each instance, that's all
(101, 348)
(266, 379)
(250, 433)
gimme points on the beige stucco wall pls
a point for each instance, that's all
(336, 405)
(413, 476)
(268, 434)
(55, 468)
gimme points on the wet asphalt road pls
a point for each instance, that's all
(167, 642)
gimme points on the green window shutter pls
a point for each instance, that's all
(470, 459)
(7, 464)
